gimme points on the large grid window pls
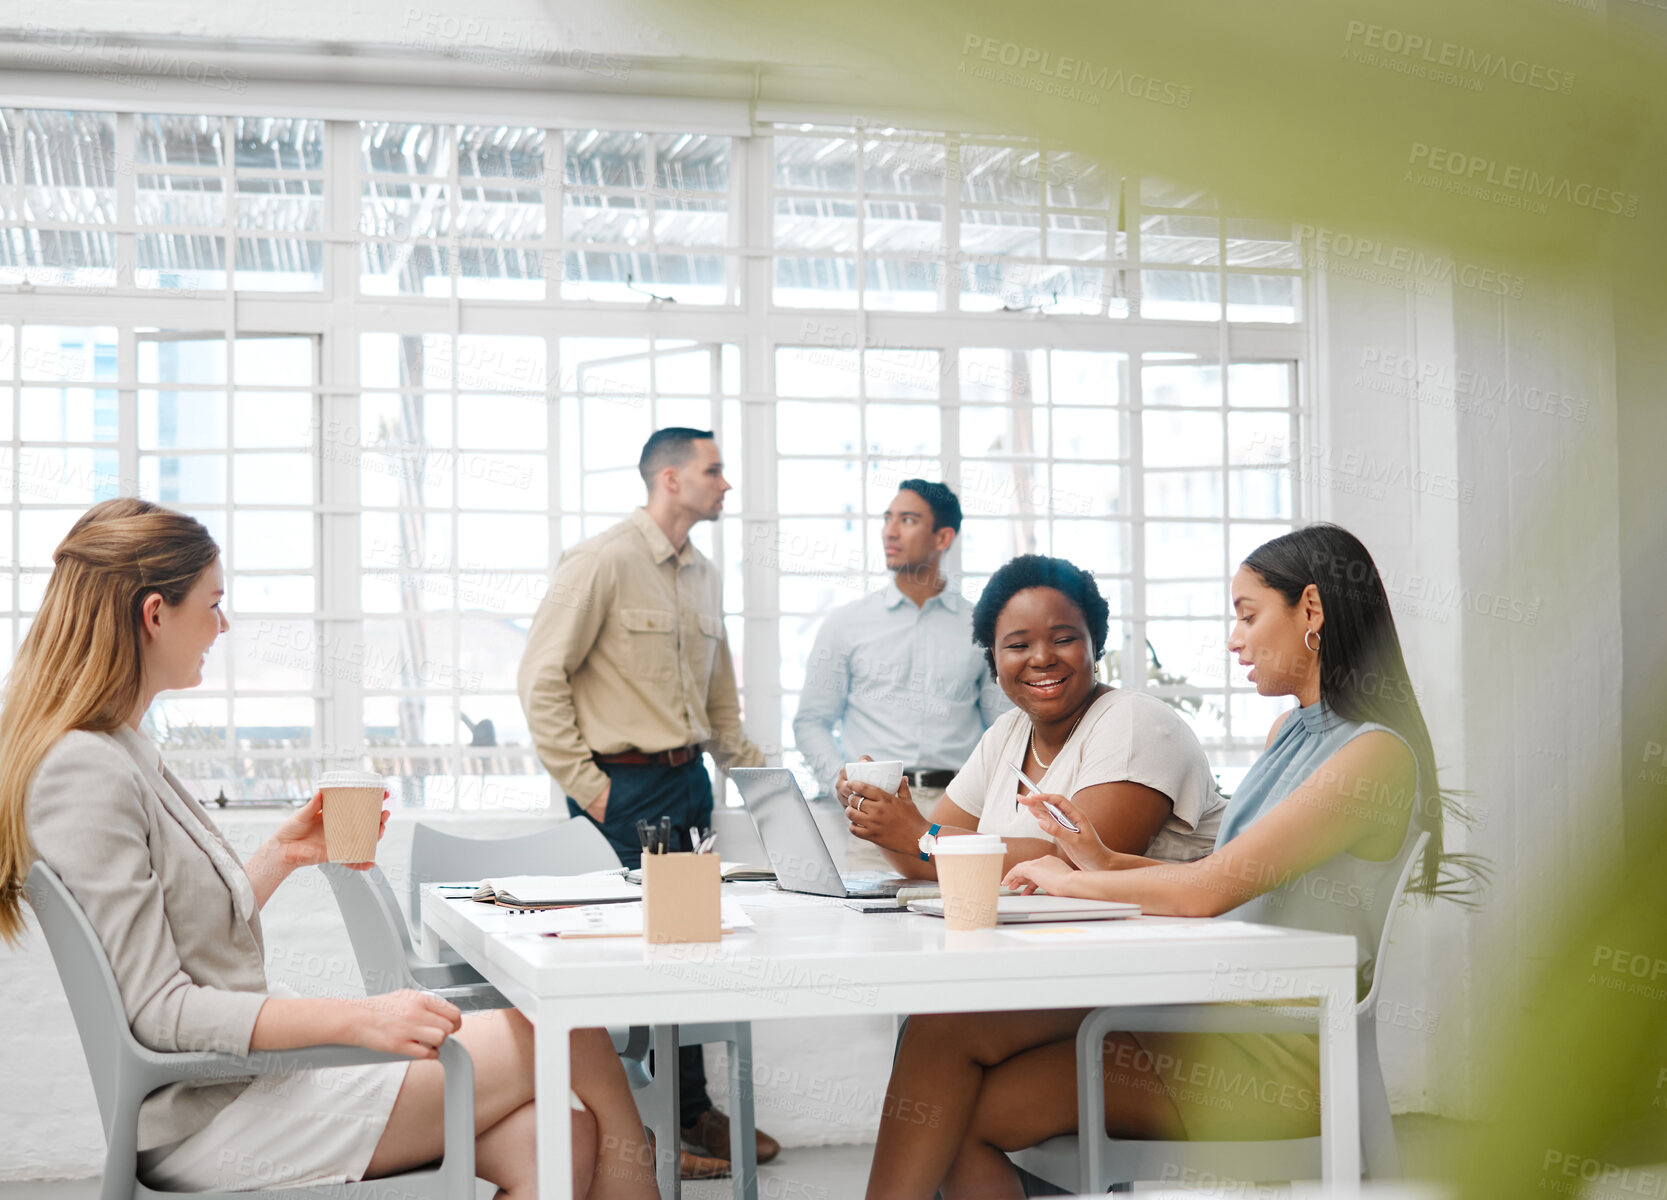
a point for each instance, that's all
(397, 368)
(887, 219)
(1145, 470)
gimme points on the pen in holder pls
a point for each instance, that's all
(680, 898)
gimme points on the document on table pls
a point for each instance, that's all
(611, 920)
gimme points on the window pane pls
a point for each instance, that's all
(810, 428)
(909, 168)
(182, 360)
(816, 163)
(1184, 549)
(903, 429)
(68, 415)
(179, 141)
(69, 173)
(400, 148)
(598, 158)
(263, 540)
(68, 354)
(1183, 494)
(279, 143)
(500, 364)
(1262, 384)
(1169, 238)
(1262, 298)
(1098, 546)
(272, 479)
(179, 200)
(1180, 295)
(1087, 433)
(197, 479)
(691, 162)
(504, 541)
(1002, 174)
(816, 371)
(1181, 439)
(273, 419)
(274, 361)
(813, 485)
(816, 223)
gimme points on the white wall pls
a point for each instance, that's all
(1485, 488)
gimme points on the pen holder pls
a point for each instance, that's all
(680, 898)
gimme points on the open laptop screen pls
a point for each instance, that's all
(788, 829)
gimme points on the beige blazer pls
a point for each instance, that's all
(169, 900)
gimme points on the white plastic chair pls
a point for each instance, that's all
(1091, 1161)
(124, 1072)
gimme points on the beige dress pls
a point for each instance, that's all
(176, 915)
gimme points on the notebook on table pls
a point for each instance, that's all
(557, 891)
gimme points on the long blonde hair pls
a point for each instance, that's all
(79, 664)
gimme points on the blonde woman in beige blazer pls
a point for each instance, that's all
(131, 610)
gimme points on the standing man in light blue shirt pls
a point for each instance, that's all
(895, 675)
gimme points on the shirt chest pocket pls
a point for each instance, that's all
(706, 652)
(647, 643)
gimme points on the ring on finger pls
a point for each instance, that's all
(858, 805)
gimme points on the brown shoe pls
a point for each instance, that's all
(698, 1166)
(710, 1135)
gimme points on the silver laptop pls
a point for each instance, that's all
(797, 850)
(1028, 910)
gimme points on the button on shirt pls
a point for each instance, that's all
(628, 652)
(894, 681)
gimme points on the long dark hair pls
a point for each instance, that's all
(1363, 675)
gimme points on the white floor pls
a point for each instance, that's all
(820, 1173)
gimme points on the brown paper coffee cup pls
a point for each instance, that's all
(352, 815)
(970, 884)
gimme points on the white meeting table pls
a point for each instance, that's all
(808, 956)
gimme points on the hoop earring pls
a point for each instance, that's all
(1305, 636)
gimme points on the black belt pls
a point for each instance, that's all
(928, 777)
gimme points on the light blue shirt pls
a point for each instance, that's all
(894, 681)
(1344, 894)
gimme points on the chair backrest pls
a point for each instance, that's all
(1407, 861)
(94, 999)
(375, 926)
(569, 847)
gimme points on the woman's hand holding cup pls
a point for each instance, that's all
(888, 819)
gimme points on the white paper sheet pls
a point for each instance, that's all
(611, 920)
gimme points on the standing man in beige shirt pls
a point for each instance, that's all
(627, 679)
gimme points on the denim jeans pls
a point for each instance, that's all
(647, 793)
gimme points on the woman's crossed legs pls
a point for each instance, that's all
(611, 1160)
(967, 1087)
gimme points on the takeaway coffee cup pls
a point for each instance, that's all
(969, 876)
(887, 776)
(352, 814)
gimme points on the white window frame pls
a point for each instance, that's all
(756, 325)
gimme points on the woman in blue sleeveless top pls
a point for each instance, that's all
(1312, 838)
